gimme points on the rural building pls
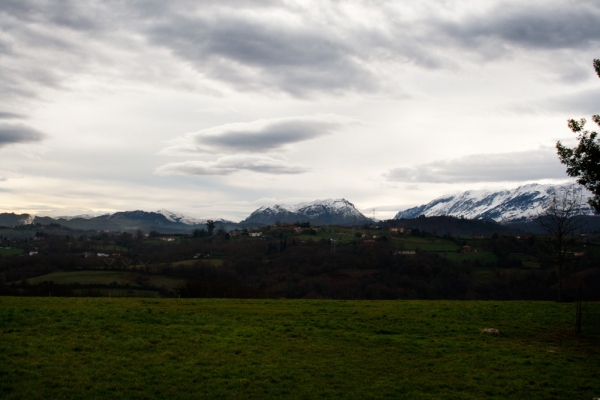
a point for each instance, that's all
(466, 249)
(255, 234)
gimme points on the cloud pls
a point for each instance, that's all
(582, 103)
(538, 26)
(265, 135)
(301, 49)
(230, 164)
(10, 115)
(18, 133)
(504, 167)
(585, 102)
(251, 52)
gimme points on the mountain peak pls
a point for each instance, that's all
(524, 202)
(318, 212)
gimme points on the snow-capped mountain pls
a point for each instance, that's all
(83, 216)
(524, 202)
(176, 217)
(318, 212)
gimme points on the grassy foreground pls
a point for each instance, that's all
(191, 348)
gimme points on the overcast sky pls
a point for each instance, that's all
(215, 108)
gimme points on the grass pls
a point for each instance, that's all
(105, 278)
(529, 261)
(222, 349)
(425, 243)
(217, 262)
(483, 256)
(11, 252)
(105, 292)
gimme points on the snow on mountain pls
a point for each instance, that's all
(176, 217)
(83, 216)
(318, 212)
(524, 202)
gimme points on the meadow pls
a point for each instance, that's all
(305, 349)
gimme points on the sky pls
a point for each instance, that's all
(215, 108)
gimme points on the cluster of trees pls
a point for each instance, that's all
(283, 265)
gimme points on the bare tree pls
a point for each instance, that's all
(559, 219)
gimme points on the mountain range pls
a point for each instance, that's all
(162, 220)
(318, 212)
(520, 204)
(515, 205)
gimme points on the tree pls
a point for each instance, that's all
(583, 161)
(210, 227)
(198, 233)
(559, 220)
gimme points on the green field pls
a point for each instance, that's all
(426, 243)
(222, 349)
(483, 256)
(106, 278)
(217, 262)
(10, 252)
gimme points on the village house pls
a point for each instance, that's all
(255, 234)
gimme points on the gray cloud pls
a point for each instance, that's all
(10, 115)
(231, 164)
(293, 59)
(258, 136)
(532, 26)
(504, 167)
(580, 104)
(18, 133)
(270, 46)
(586, 102)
